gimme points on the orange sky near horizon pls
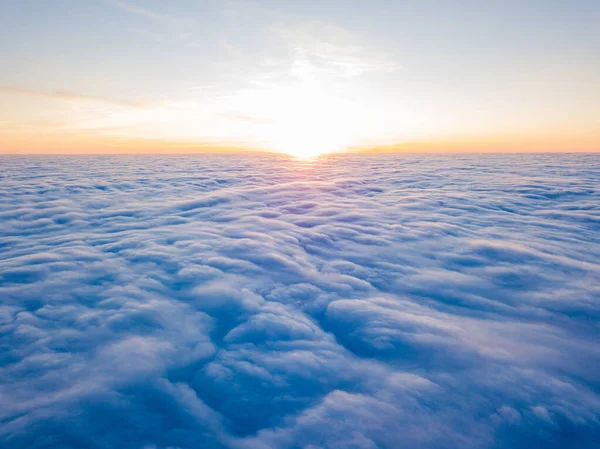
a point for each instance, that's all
(48, 141)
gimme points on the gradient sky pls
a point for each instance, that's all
(300, 77)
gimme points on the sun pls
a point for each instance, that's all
(306, 135)
(300, 119)
(311, 126)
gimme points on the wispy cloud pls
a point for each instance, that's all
(67, 95)
(140, 11)
(172, 27)
(329, 48)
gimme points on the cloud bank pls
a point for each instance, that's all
(259, 302)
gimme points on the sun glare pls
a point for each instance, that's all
(300, 120)
(306, 134)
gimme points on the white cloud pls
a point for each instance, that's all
(261, 302)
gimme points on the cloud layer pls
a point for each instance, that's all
(260, 302)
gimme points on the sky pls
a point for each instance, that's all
(303, 77)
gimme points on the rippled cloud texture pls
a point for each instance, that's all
(257, 302)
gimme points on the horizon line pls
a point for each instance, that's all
(278, 153)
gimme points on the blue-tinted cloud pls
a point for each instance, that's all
(257, 302)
